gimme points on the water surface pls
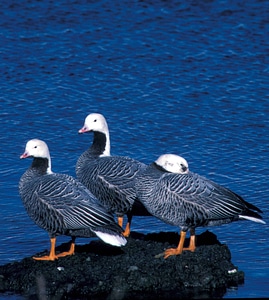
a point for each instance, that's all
(187, 77)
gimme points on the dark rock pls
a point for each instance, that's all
(99, 271)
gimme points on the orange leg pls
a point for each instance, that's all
(179, 249)
(71, 251)
(120, 221)
(192, 245)
(127, 230)
(52, 255)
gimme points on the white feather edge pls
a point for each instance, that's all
(252, 219)
(114, 240)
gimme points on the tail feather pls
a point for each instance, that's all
(252, 216)
(112, 239)
(111, 234)
(249, 205)
(252, 207)
(252, 219)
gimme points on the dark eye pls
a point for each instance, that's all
(35, 146)
(184, 168)
(95, 120)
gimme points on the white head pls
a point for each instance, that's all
(97, 123)
(173, 163)
(94, 122)
(39, 149)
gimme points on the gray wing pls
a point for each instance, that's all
(62, 203)
(200, 198)
(112, 181)
(186, 200)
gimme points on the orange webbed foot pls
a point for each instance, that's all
(179, 249)
(46, 257)
(171, 251)
(66, 253)
(52, 255)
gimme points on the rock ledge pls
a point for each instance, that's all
(101, 271)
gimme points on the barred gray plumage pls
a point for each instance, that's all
(109, 178)
(61, 205)
(188, 200)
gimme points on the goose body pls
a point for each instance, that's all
(61, 205)
(110, 178)
(188, 200)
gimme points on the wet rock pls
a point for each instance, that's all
(99, 271)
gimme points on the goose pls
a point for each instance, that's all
(109, 178)
(61, 205)
(179, 197)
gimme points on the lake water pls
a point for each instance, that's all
(184, 77)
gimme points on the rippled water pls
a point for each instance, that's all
(187, 77)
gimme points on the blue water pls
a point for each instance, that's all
(184, 77)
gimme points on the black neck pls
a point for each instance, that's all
(40, 164)
(99, 143)
(158, 167)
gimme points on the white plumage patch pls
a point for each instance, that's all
(114, 240)
(252, 219)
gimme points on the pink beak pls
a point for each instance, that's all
(24, 155)
(83, 129)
